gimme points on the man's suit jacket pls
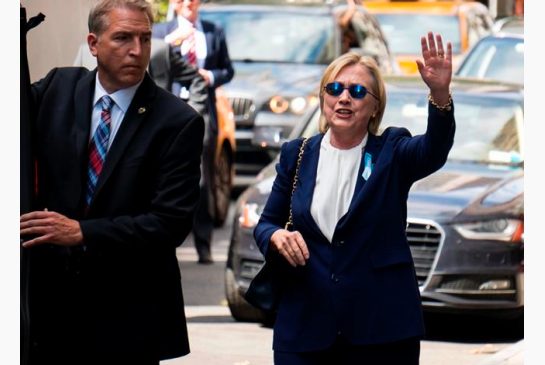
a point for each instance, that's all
(121, 292)
(362, 285)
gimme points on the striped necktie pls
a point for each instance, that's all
(98, 148)
(191, 49)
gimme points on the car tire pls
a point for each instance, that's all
(240, 309)
(222, 186)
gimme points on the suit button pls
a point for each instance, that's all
(340, 243)
(335, 278)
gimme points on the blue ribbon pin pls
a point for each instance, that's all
(367, 160)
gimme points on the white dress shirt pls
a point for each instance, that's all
(122, 99)
(335, 183)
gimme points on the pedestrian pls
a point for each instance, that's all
(349, 36)
(203, 44)
(117, 162)
(349, 288)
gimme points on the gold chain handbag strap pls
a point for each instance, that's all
(289, 223)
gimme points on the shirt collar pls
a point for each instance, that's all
(326, 142)
(122, 97)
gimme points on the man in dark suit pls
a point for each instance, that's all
(203, 44)
(117, 184)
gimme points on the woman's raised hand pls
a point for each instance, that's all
(436, 70)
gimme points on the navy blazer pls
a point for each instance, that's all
(362, 285)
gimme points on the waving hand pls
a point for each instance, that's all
(436, 69)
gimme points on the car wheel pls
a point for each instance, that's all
(223, 183)
(240, 309)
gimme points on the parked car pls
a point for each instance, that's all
(510, 24)
(223, 168)
(498, 57)
(462, 23)
(279, 52)
(465, 222)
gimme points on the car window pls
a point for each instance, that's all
(496, 58)
(276, 36)
(404, 31)
(488, 130)
(312, 127)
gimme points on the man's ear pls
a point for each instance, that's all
(92, 40)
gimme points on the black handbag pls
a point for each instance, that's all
(265, 290)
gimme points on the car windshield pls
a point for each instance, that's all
(403, 31)
(496, 58)
(488, 130)
(259, 36)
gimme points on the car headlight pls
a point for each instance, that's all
(507, 230)
(249, 215)
(296, 105)
(278, 104)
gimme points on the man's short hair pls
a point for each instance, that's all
(98, 20)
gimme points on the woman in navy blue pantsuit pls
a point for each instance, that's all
(350, 294)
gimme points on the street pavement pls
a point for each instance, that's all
(217, 339)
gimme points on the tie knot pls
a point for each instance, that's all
(107, 102)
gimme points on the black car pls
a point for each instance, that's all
(465, 223)
(279, 52)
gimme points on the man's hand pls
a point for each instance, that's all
(291, 245)
(204, 74)
(50, 227)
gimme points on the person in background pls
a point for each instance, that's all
(349, 37)
(346, 16)
(117, 161)
(203, 44)
(349, 288)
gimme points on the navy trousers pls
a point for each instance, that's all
(406, 352)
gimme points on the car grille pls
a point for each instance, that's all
(424, 239)
(243, 109)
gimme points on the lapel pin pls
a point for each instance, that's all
(141, 110)
(368, 166)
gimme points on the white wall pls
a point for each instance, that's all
(56, 40)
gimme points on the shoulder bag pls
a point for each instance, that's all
(264, 291)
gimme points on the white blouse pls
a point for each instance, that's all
(335, 183)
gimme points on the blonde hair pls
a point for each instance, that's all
(377, 88)
(98, 20)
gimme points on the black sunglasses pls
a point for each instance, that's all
(356, 91)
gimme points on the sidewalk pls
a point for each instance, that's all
(217, 339)
(511, 355)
